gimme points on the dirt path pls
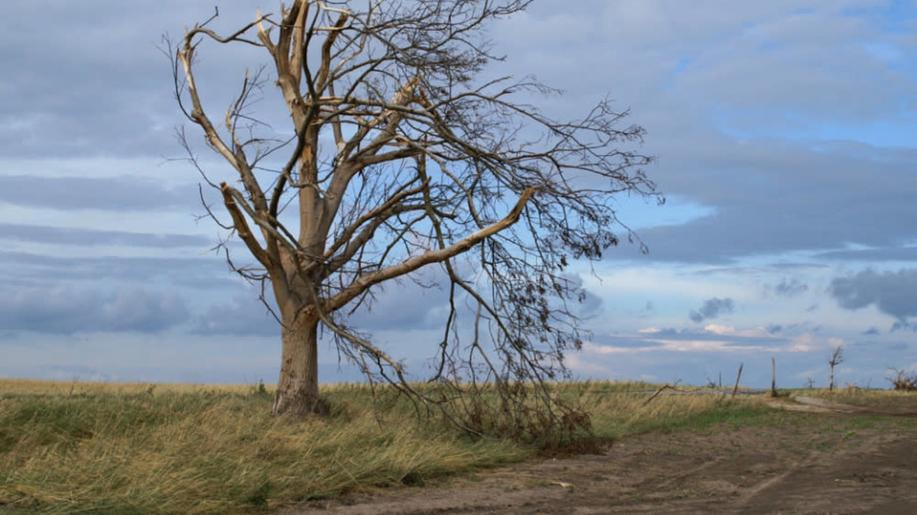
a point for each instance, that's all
(816, 463)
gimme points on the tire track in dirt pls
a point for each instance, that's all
(815, 465)
(877, 474)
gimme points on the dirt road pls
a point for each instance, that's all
(801, 463)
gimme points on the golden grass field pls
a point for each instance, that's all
(138, 448)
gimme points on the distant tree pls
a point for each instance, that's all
(400, 156)
(837, 357)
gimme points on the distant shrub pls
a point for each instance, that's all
(902, 381)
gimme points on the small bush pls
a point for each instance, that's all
(902, 381)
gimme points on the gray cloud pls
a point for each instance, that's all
(900, 325)
(791, 287)
(893, 293)
(695, 365)
(407, 304)
(72, 236)
(588, 304)
(689, 72)
(670, 334)
(879, 254)
(34, 270)
(403, 305)
(712, 308)
(70, 310)
(591, 305)
(749, 56)
(740, 120)
(125, 193)
(805, 199)
(244, 314)
(759, 270)
(117, 99)
(626, 342)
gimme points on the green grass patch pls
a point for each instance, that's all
(866, 397)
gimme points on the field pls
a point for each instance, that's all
(106, 448)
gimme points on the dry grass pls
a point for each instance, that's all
(620, 409)
(122, 448)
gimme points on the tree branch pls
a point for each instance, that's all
(432, 256)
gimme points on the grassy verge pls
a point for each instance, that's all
(621, 409)
(102, 448)
(865, 397)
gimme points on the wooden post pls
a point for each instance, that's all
(735, 389)
(773, 376)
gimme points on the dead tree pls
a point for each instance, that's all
(399, 156)
(773, 376)
(837, 357)
(735, 389)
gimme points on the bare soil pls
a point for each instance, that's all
(833, 461)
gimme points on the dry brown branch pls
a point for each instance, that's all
(735, 389)
(658, 392)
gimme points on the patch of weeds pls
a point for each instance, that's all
(413, 478)
(863, 422)
(824, 445)
(734, 415)
(582, 444)
(260, 390)
(258, 497)
(7, 442)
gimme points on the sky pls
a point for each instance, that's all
(785, 137)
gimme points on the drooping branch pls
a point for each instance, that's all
(431, 256)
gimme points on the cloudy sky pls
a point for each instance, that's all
(786, 138)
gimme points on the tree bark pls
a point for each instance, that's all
(297, 388)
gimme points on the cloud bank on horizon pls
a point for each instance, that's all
(786, 138)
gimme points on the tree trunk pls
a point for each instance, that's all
(297, 388)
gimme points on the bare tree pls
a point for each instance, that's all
(400, 156)
(837, 357)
